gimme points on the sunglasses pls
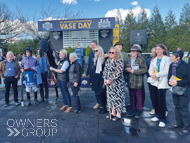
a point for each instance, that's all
(95, 50)
(112, 52)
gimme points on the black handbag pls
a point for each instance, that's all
(177, 90)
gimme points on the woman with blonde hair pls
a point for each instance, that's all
(97, 79)
(158, 71)
(62, 78)
(114, 80)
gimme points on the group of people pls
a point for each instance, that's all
(109, 73)
(35, 72)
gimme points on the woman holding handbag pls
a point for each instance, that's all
(158, 71)
(179, 78)
(97, 79)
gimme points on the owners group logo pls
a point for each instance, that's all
(47, 25)
(35, 128)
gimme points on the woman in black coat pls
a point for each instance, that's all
(179, 75)
(97, 79)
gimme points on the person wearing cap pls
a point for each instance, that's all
(10, 72)
(136, 68)
(158, 71)
(143, 88)
(27, 63)
(43, 64)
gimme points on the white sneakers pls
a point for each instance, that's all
(162, 124)
(96, 106)
(154, 119)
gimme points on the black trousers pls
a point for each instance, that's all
(151, 95)
(8, 82)
(181, 104)
(160, 103)
(44, 83)
(143, 92)
(102, 99)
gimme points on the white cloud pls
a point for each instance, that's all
(134, 3)
(96, 0)
(69, 1)
(136, 11)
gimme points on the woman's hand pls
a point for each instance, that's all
(173, 83)
(132, 71)
(108, 82)
(75, 84)
(128, 69)
(22, 70)
(153, 76)
(105, 81)
(51, 68)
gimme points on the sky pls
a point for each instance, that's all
(99, 8)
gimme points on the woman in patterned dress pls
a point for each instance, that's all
(114, 80)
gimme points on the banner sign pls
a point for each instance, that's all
(115, 34)
(30, 78)
(77, 24)
(138, 37)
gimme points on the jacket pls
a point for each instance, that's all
(135, 79)
(90, 66)
(97, 79)
(162, 82)
(182, 72)
(75, 73)
(2, 68)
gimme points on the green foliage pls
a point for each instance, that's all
(20, 46)
(69, 50)
(87, 51)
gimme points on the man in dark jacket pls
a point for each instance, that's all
(75, 80)
(10, 72)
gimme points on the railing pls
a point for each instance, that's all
(146, 54)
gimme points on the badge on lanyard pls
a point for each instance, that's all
(135, 67)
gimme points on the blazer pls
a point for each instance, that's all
(162, 82)
(182, 72)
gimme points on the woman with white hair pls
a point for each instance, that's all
(75, 80)
(62, 78)
(97, 79)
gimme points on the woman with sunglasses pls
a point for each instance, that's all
(114, 80)
(136, 68)
(179, 76)
(158, 71)
(97, 79)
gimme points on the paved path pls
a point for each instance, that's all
(45, 123)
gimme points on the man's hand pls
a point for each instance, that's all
(173, 83)
(16, 76)
(51, 68)
(132, 71)
(22, 70)
(75, 84)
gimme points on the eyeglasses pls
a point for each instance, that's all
(112, 52)
(96, 51)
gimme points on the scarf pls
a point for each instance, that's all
(99, 65)
(174, 65)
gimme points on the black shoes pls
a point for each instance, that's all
(46, 100)
(77, 111)
(42, 100)
(131, 113)
(174, 127)
(138, 114)
(28, 103)
(102, 110)
(16, 103)
(36, 102)
(6, 104)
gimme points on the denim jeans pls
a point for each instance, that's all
(76, 98)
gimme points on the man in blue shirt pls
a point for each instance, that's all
(188, 56)
(10, 72)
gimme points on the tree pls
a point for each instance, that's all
(87, 51)
(185, 15)
(142, 22)
(156, 29)
(170, 21)
(129, 24)
(69, 50)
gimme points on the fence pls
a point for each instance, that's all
(146, 54)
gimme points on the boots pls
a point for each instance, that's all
(28, 99)
(104, 110)
(35, 99)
